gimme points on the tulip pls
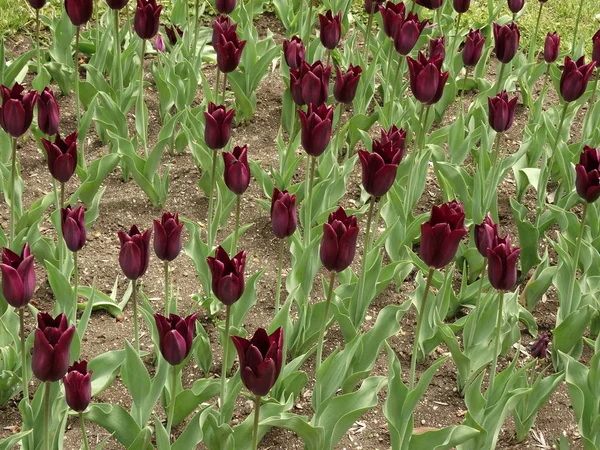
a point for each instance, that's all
(117, 4)
(174, 33)
(596, 48)
(217, 127)
(51, 347)
(260, 360)
(442, 233)
(485, 233)
(294, 52)
(394, 137)
(587, 181)
(227, 275)
(501, 112)
(331, 29)
(392, 15)
(79, 11)
(48, 113)
(372, 6)
(147, 18)
(473, 47)
(18, 277)
(73, 227)
(62, 156)
(175, 336)
(344, 89)
(461, 6)
(222, 26)
(502, 265)
(237, 170)
(225, 6)
(338, 246)
(506, 39)
(160, 43)
(16, 112)
(316, 128)
(167, 236)
(539, 348)
(430, 4)
(283, 213)
(551, 47)
(575, 78)
(36, 4)
(135, 252)
(229, 51)
(516, 5)
(437, 47)
(310, 83)
(427, 80)
(78, 386)
(407, 32)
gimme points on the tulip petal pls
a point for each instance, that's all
(12, 287)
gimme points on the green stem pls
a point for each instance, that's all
(171, 412)
(375, 224)
(456, 41)
(478, 302)
(576, 28)
(81, 153)
(577, 253)
(37, 38)
(251, 11)
(167, 291)
(424, 128)
(84, 437)
(590, 107)
(389, 64)
(13, 176)
(367, 39)
(211, 201)
(533, 369)
(196, 27)
(291, 135)
(413, 358)
(324, 320)
(363, 265)
(75, 279)
(23, 354)
(500, 76)
(309, 24)
(117, 56)
(97, 20)
(59, 236)
(218, 78)
(237, 224)
(225, 351)
(256, 421)
(311, 182)
(546, 76)
(415, 156)
(401, 59)
(47, 444)
(462, 92)
(531, 55)
(136, 332)
(338, 148)
(141, 97)
(497, 343)
(224, 86)
(279, 272)
(301, 21)
(62, 195)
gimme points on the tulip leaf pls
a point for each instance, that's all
(189, 399)
(115, 420)
(11, 441)
(105, 368)
(136, 378)
(313, 437)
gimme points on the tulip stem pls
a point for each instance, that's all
(500, 76)
(309, 24)
(363, 265)
(84, 437)
(407, 198)
(462, 91)
(456, 41)
(279, 272)
(37, 38)
(141, 98)
(311, 182)
(424, 128)
(224, 360)
(251, 11)
(576, 29)
(97, 20)
(478, 302)
(171, 413)
(390, 61)
(338, 148)
(13, 176)
(395, 83)
(367, 39)
(237, 224)
(47, 445)
(497, 344)
(75, 280)
(196, 27)
(81, 154)
(23, 354)
(576, 258)
(590, 107)
(533, 42)
(413, 359)
(62, 195)
(117, 56)
(211, 202)
(167, 292)
(224, 86)
(136, 333)
(218, 78)
(489, 194)
(324, 320)
(256, 420)
(59, 236)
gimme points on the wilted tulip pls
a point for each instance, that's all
(294, 52)
(338, 245)
(310, 83)
(223, 26)
(372, 6)
(135, 252)
(175, 336)
(596, 48)
(551, 47)
(36, 4)
(237, 170)
(392, 15)
(79, 11)
(225, 6)
(502, 264)
(379, 167)
(331, 29)
(16, 112)
(260, 360)
(283, 213)
(407, 33)
(62, 156)
(147, 18)
(316, 128)
(587, 181)
(344, 89)
(78, 386)
(473, 48)
(461, 6)
(442, 233)
(430, 4)
(539, 348)
(427, 80)
(575, 78)
(506, 40)
(48, 113)
(174, 34)
(51, 347)
(217, 127)
(227, 275)
(167, 236)
(73, 227)
(159, 44)
(437, 47)
(485, 233)
(501, 111)
(18, 277)
(229, 51)
(117, 4)
(516, 6)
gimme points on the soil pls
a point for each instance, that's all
(124, 204)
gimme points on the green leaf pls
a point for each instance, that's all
(442, 439)
(115, 420)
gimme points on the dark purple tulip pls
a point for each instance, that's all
(174, 34)
(78, 386)
(225, 6)
(48, 113)
(135, 252)
(461, 6)
(430, 4)
(502, 264)
(18, 277)
(575, 78)
(473, 47)
(229, 52)
(223, 26)
(338, 245)
(260, 360)
(283, 213)
(167, 236)
(516, 6)
(407, 32)
(392, 15)
(485, 233)
(344, 89)
(372, 6)
(395, 137)
(587, 181)
(217, 127)
(316, 128)
(36, 4)
(294, 52)
(310, 83)
(427, 80)
(147, 18)
(437, 47)
(62, 156)
(117, 4)
(539, 348)
(501, 111)
(506, 40)
(51, 347)
(330, 29)
(16, 112)
(596, 48)
(442, 233)
(73, 227)
(551, 47)
(175, 336)
(237, 170)
(79, 11)
(227, 275)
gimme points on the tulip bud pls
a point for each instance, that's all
(392, 15)
(473, 47)
(437, 47)
(229, 52)
(502, 264)
(167, 236)
(227, 275)
(506, 40)
(217, 127)
(407, 33)
(331, 29)
(442, 233)
(174, 34)
(575, 78)
(175, 336)
(539, 348)
(294, 52)
(596, 48)
(372, 6)
(430, 4)
(147, 18)
(117, 4)
(79, 11)
(427, 80)
(78, 386)
(461, 6)
(222, 26)
(501, 112)
(316, 128)
(73, 227)
(16, 112)
(48, 113)
(62, 156)
(51, 347)
(237, 170)
(225, 6)
(283, 213)
(310, 84)
(18, 277)
(36, 4)
(516, 6)
(485, 233)
(344, 89)
(159, 44)
(338, 245)
(551, 47)
(135, 252)
(587, 181)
